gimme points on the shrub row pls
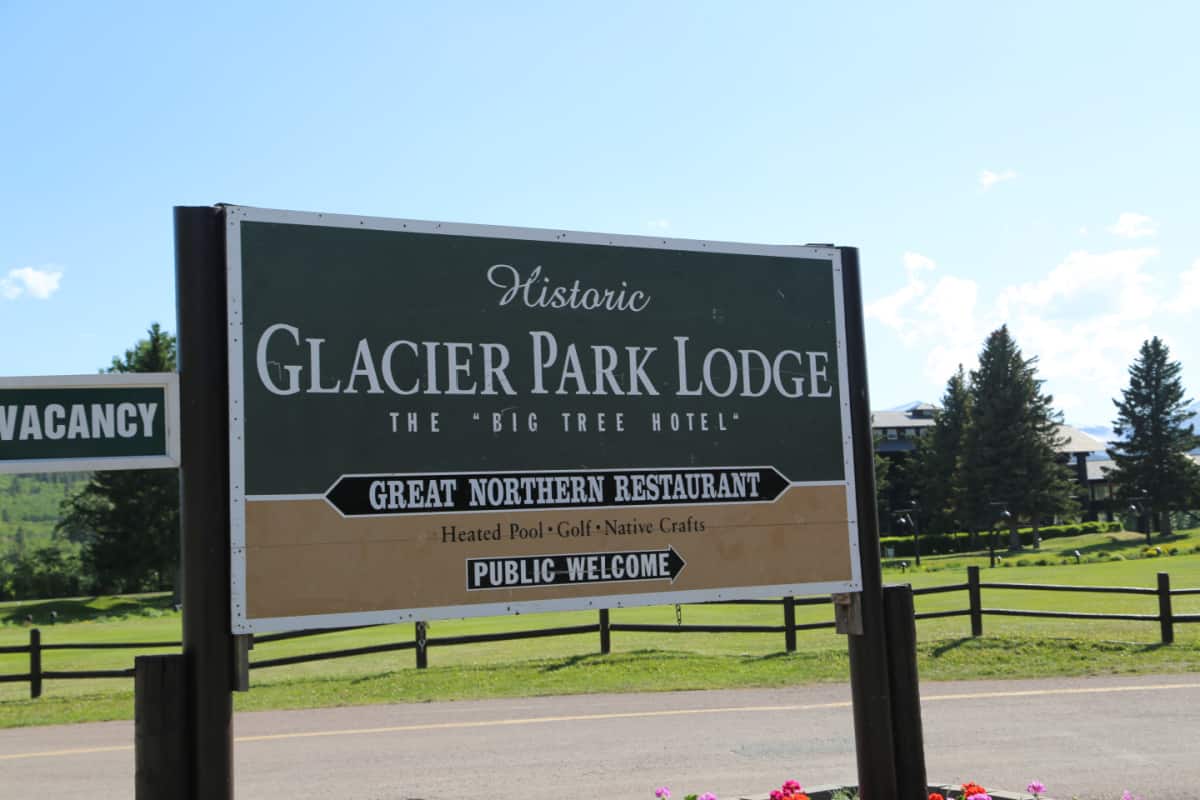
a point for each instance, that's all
(960, 542)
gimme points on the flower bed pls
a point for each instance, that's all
(792, 790)
(944, 791)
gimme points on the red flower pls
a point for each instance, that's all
(971, 788)
(935, 796)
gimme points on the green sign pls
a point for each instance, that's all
(431, 419)
(86, 422)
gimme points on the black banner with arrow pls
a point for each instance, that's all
(574, 568)
(388, 495)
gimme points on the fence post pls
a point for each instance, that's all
(907, 731)
(789, 624)
(422, 647)
(1165, 618)
(35, 663)
(605, 633)
(159, 726)
(976, 602)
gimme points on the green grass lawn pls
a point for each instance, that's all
(1092, 548)
(1010, 647)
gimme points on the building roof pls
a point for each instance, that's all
(895, 445)
(898, 419)
(1078, 441)
(921, 415)
(1096, 470)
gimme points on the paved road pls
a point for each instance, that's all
(1086, 737)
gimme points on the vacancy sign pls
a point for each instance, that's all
(70, 423)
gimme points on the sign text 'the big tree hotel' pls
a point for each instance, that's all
(433, 420)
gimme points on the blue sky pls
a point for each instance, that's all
(1034, 164)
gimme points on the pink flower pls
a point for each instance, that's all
(1035, 787)
(776, 794)
(980, 796)
(707, 796)
(662, 793)
(791, 787)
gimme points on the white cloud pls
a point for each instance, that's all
(1084, 321)
(915, 263)
(1117, 278)
(951, 305)
(988, 178)
(658, 224)
(36, 282)
(888, 309)
(944, 315)
(1133, 226)
(1187, 298)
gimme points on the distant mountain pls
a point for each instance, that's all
(907, 406)
(1101, 432)
(1106, 434)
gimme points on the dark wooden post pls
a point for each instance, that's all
(869, 682)
(605, 633)
(1165, 618)
(204, 498)
(976, 602)
(907, 731)
(789, 624)
(160, 727)
(35, 663)
(420, 631)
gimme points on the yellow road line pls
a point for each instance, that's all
(1045, 692)
(76, 751)
(491, 723)
(679, 712)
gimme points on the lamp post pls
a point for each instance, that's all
(906, 519)
(1003, 515)
(1140, 506)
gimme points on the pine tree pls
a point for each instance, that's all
(882, 467)
(1153, 422)
(1010, 453)
(128, 521)
(936, 461)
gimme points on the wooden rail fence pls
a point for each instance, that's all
(605, 627)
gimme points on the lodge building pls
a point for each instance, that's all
(897, 432)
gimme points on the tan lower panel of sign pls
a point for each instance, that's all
(304, 558)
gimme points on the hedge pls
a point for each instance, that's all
(959, 542)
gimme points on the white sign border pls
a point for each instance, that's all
(241, 624)
(168, 381)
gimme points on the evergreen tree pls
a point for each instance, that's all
(936, 461)
(1153, 422)
(1052, 482)
(128, 521)
(882, 467)
(1010, 454)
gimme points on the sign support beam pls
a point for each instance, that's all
(870, 686)
(204, 495)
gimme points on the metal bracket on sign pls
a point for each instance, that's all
(847, 613)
